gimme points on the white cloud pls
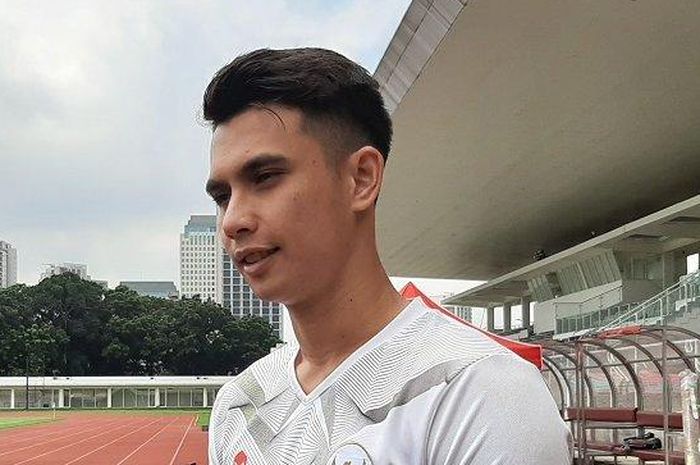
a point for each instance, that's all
(77, 57)
(101, 155)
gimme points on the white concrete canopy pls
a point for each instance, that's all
(112, 381)
(675, 227)
(535, 124)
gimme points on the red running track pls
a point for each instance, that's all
(88, 439)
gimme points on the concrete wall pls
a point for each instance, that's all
(636, 290)
(588, 300)
(604, 296)
(544, 317)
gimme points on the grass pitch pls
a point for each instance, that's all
(19, 418)
(6, 423)
(203, 418)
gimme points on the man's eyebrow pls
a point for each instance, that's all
(249, 168)
(264, 160)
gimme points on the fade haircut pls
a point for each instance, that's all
(339, 100)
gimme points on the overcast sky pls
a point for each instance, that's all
(103, 156)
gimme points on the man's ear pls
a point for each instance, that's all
(367, 171)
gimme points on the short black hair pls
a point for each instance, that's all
(339, 100)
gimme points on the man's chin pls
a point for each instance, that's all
(263, 291)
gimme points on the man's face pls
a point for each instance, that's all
(284, 213)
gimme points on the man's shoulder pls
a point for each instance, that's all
(439, 336)
(500, 396)
(427, 352)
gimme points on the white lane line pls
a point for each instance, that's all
(53, 440)
(149, 440)
(110, 442)
(43, 435)
(73, 444)
(20, 434)
(181, 442)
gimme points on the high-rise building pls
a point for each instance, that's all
(198, 247)
(55, 269)
(8, 265)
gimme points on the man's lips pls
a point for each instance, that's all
(252, 255)
(255, 263)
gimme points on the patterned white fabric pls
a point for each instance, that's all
(425, 390)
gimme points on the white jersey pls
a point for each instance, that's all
(425, 390)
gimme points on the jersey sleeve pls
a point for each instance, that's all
(497, 411)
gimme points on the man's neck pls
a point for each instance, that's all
(332, 328)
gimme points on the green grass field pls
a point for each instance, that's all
(203, 418)
(18, 418)
(6, 423)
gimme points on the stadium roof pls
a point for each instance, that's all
(531, 125)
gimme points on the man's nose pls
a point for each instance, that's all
(238, 219)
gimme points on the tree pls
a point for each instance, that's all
(23, 335)
(75, 327)
(74, 305)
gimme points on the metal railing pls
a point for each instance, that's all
(592, 319)
(589, 313)
(673, 302)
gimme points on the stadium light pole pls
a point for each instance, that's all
(26, 372)
(31, 330)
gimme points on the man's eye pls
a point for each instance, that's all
(265, 177)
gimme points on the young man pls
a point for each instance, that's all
(299, 147)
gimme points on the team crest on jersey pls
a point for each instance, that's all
(350, 454)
